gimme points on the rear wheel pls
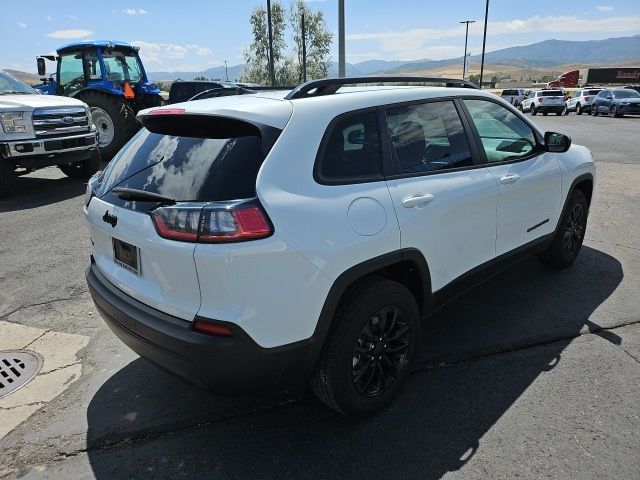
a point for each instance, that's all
(559, 112)
(369, 352)
(568, 238)
(545, 113)
(84, 169)
(8, 178)
(578, 109)
(594, 111)
(114, 119)
(533, 110)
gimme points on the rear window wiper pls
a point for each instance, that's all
(142, 196)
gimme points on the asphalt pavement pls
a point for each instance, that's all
(534, 374)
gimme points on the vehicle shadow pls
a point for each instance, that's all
(432, 428)
(34, 192)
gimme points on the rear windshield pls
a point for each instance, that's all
(591, 92)
(510, 92)
(186, 168)
(551, 93)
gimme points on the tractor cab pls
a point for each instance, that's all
(110, 78)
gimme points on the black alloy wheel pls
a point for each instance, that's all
(574, 230)
(380, 351)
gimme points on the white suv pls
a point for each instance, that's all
(543, 101)
(581, 101)
(265, 239)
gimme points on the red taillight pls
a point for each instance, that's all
(233, 224)
(212, 329)
(539, 99)
(586, 98)
(168, 111)
(212, 223)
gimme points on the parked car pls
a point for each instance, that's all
(633, 87)
(581, 101)
(544, 101)
(259, 241)
(43, 130)
(616, 102)
(514, 96)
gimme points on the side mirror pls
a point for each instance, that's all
(356, 137)
(556, 142)
(42, 68)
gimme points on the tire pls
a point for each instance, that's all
(578, 109)
(545, 113)
(565, 110)
(559, 112)
(84, 169)
(613, 112)
(114, 119)
(532, 109)
(594, 111)
(8, 178)
(337, 381)
(568, 239)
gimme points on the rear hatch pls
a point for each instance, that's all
(551, 98)
(149, 204)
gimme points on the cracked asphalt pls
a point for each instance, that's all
(534, 374)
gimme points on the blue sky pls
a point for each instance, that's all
(198, 34)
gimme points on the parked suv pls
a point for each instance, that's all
(263, 240)
(38, 131)
(616, 102)
(581, 101)
(544, 101)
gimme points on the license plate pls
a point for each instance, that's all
(126, 255)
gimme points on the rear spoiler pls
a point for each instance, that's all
(176, 123)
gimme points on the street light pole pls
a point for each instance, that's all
(484, 41)
(341, 55)
(226, 72)
(304, 49)
(272, 74)
(466, 37)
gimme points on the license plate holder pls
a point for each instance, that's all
(126, 256)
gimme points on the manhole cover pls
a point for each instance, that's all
(17, 368)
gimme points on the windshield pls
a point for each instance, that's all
(122, 66)
(11, 85)
(626, 94)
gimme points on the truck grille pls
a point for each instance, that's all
(60, 122)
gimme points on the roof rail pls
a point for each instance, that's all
(329, 86)
(225, 92)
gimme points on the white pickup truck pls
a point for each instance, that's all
(514, 96)
(38, 131)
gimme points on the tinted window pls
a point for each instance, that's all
(602, 94)
(428, 137)
(591, 92)
(504, 135)
(187, 168)
(351, 150)
(627, 93)
(121, 66)
(551, 93)
(510, 92)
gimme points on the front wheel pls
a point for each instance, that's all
(533, 110)
(559, 112)
(84, 169)
(369, 352)
(594, 111)
(8, 178)
(578, 109)
(613, 112)
(545, 113)
(568, 239)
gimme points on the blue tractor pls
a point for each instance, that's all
(110, 78)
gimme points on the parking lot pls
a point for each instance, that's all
(534, 374)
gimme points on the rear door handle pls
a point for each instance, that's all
(416, 200)
(507, 179)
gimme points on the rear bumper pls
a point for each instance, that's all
(549, 108)
(224, 365)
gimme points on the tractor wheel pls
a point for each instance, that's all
(115, 120)
(84, 169)
(8, 178)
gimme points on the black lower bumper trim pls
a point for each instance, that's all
(224, 365)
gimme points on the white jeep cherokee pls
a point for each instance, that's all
(262, 240)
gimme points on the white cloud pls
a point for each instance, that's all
(22, 25)
(49, 18)
(73, 17)
(418, 42)
(605, 8)
(71, 33)
(141, 11)
(133, 11)
(159, 52)
(200, 50)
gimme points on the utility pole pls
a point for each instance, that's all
(341, 57)
(272, 73)
(226, 72)
(304, 50)
(466, 36)
(484, 41)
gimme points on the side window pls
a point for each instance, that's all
(428, 137)
(504, 135)
(71, 73)
(351, 149)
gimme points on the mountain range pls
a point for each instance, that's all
(545, 54)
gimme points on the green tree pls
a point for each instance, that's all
(256, 55)
(287, 63)
(204, 79)
(475, 78)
